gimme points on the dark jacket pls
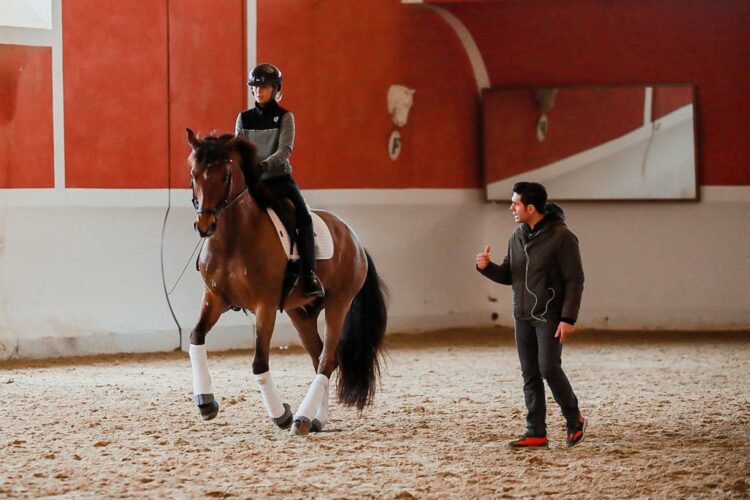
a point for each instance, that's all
(544, 268)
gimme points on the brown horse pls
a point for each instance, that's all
(243, 264)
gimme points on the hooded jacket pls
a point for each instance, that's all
(543, 267)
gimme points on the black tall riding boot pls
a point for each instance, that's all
(311, 286)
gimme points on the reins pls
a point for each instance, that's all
(216, 212)
(200, 243)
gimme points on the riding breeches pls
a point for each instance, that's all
(285, 187)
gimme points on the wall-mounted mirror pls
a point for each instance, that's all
(591, 143)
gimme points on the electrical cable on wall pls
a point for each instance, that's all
(197, 248)
(163, 277)
(169, 207)
(169, 198)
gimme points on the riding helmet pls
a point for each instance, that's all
(265, 74)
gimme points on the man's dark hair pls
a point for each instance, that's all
(531, 193)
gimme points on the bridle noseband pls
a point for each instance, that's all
(225, 203)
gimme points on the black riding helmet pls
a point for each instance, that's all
(265, 74)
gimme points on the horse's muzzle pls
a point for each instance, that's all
(205, 224)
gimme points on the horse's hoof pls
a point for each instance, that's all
(209, 410)
(316, 425)
(301, 426)
(284, 421)
(207, 405)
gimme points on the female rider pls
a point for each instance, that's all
(271, 129)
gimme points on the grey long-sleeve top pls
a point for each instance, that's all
(271, 129)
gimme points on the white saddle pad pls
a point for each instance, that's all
(323, 240)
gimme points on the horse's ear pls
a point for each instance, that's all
(192, 140)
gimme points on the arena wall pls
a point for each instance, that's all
(82, 209)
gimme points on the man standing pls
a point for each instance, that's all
(543, 266)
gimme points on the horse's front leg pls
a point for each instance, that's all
(279, 412)
(203, 395)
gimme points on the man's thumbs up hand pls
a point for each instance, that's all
(483, 259)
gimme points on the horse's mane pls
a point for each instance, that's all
(212, 149)
(218, 149)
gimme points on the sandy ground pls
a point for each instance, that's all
(669, 417)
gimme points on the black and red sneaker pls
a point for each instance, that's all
(528, 441)
(576, 432)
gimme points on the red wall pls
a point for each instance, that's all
(26, 147)
(206, 73)
(136, 72)
(338, 59)
(703, 42)
(115, 86)
(136, 75)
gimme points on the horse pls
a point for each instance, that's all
(243, 265)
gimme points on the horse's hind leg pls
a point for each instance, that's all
(203, 394)
(279, 412)
(307, 327)
(312, 414)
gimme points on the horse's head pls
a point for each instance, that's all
(400, 100)
(216, 172)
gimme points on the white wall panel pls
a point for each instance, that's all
(81, 280)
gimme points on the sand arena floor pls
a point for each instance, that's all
(669, 417)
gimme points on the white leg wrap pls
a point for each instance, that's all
(271, 399)
(322, 415)
(199, 363)
(314, 398)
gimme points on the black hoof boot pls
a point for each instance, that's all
(301, 426)
(284, 421)
(316, 426)
(311, 286)
(207, 405)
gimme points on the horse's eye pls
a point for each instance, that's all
(226, 178)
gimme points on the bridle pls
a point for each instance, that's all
(226, 202)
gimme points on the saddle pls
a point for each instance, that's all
(283, 218)
(286, 228)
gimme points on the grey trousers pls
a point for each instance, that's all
(540, 354)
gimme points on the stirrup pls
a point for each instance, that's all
(311, 285)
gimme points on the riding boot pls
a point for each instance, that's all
(311, 286)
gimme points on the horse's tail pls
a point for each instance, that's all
(361, 342)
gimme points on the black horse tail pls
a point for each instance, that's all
(361, 342)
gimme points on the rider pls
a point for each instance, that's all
(271, 128)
